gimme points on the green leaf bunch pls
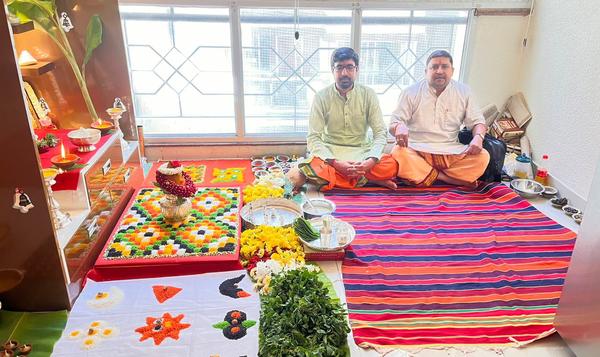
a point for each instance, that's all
(299, 318)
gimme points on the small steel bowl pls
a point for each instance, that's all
(577, 217)
(85, 139)
(549, 192)
(317, 207)
(556, 202)
(527, 188)
(570, 210)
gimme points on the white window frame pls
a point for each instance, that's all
(356, 7)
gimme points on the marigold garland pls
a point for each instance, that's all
(186, 190)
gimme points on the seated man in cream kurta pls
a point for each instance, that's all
(426, 124)
(342, 154)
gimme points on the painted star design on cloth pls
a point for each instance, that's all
(162, 327)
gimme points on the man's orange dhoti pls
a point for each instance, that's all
(326, 177)
(421, 169)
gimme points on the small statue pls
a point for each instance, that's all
(65, 22)
(22, 202)
(118, 103)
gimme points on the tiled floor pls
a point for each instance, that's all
(552, 346)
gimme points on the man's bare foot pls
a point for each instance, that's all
(385, 183)
(297, 178)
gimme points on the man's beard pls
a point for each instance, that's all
(345, 83)
(434, 83)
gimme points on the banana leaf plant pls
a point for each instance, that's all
(44, 14)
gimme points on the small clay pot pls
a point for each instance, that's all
(11, 345)
(24, 349)
(7, 353)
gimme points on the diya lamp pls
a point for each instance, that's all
(64, 160)
(103, 125)
(59, 218)
(115, 114)
(7, 353)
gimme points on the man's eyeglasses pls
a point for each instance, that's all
(348, 67)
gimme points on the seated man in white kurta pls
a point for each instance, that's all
(426, 124)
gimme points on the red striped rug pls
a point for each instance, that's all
(442, 267)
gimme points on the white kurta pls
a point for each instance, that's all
(434, 122)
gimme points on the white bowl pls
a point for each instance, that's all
(85, 139)
(549, 192)
(527, 188)
(577, 217)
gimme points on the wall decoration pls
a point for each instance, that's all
(21, 201)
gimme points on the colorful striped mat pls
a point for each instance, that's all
(442, 267)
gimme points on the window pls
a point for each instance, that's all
(181, 77)
(188, 82)
(282, 74)
(395, 45)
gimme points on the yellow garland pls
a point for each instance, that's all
(255, 192)
(282, 244)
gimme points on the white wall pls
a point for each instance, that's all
(494, 57)
(561, 81)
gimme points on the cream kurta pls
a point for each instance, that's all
(434, 122)
(338, 126)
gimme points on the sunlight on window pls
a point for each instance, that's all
(182, 74)
(395, 46)
(282, 74)
(180, 64)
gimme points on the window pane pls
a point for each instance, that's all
(281, 74)
(181, 78)
(395, 46)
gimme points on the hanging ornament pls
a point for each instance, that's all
(21, 201)
(44, 105)
(65, 22)
(118, 103)
(296, 19)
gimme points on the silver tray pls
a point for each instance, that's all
(331, 242)
(276, 212)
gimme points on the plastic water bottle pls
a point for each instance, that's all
(541, 174)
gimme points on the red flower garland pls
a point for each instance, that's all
(186, 190)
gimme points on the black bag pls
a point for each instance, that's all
(497, 150)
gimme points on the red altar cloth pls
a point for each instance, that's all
(67, 180)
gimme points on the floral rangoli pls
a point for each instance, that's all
(196, 172)
(164, 293)
(159, 328)
(230, 288)
(210, 229)
(234, 325)
(232, 174)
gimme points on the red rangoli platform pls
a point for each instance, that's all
(144, 245)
